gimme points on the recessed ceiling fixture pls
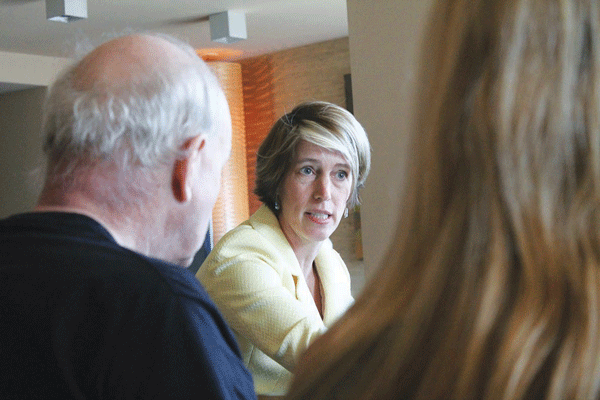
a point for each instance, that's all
(228, 27)
(66, 10)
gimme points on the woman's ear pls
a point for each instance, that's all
(184, 169)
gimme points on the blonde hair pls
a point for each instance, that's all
(325, 124)
(491, 287)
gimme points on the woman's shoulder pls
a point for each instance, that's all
(258, 232)
(255, 241)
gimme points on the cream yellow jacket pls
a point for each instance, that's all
(255, 280)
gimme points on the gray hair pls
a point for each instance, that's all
(323, 124)
(138, 126)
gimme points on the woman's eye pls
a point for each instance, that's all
(341, 175)
(306, 170)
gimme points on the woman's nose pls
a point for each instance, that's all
(322, 189)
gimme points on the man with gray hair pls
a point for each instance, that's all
(95, 297)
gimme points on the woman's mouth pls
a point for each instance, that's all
(318, 217)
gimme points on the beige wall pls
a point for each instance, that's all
(20, 120)
(385, 38)
(21, 158)
(30, 69)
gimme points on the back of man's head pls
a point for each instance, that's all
(130, 104)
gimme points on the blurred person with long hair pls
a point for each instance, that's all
(491, 287)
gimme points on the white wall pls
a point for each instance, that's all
(385, 42)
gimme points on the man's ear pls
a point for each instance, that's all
(184, 169)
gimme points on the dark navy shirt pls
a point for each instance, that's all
(82, 317)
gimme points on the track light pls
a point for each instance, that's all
(66, 10)
(228, 27)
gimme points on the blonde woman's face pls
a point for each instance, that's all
(314, 194)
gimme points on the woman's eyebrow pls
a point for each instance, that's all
(316, 161)
(308, 159)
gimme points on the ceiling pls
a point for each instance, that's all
(271, 24)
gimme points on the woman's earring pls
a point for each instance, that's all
(346, 213)
(277, 207)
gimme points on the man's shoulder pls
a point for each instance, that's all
(74, 249)
(114, 306)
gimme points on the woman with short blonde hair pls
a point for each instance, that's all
(276, 277)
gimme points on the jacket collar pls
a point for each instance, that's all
(265, 221)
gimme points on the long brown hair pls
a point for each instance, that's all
(491, 288)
